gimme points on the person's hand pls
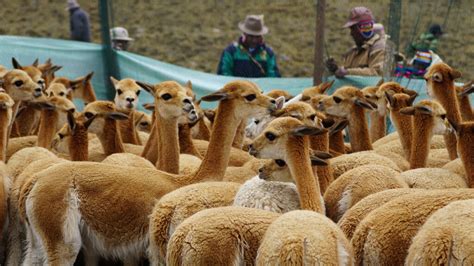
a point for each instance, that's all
(341, 72)
(331, 65)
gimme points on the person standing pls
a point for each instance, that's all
(249, 57)
(120, 39)
(366, 57)
(79, 22)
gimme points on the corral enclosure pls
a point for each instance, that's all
(193, 33)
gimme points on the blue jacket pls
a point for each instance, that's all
(236, 62)
(80, 28)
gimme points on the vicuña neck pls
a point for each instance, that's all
(324, 173)
(79, 144)
(47, 128)
(186, 144)
(466, 149)
(300, 167)
(128, 130)
(378, 126)
(358, 131)
(404, 126)
(466, 109)
(215, 162)
(420, 145)
(240, 135)
(168, 145)
(3, 135)
(110, 138)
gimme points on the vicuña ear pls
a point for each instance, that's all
(189, 84)
(149, 106)
(325, 86)
(277, 113)
(424, 110)
(117, 116)
(35, 63)
(307, 131)
(114, 81)
(71, 121)
(216, 96)
(147, 87)
(381, 81)
(321, 154)
(455, 74)
(390, 99)
(280, 101)
(454, 124)
(468, 89)
(338, 126)
(316, 161)
(89, 76)
(408, 110)
(365, 104)
(43, 105)
(89, 121)
(15, 64)
(412, 98)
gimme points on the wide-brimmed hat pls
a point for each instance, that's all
(71, 4)
(119, 33)
(253, 25)
(359, 14)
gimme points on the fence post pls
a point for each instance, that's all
(394, 17)
(109, 56)
(319, 42)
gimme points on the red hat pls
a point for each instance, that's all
(359, 14)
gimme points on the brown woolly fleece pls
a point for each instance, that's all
(17, 144)
(172, 209)
(433, 178)
(3, 196)
(105, 192)
(81, 87)
(219, 236)
(128, 130)
(356, 184)
(440, 85)
(346, 162)
(456, 166)
(386, 139)
(446, 238)
(378, 124)
(304, 238)
(384, 236)
(351, 219)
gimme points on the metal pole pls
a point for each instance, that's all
(109, 55)
(394, 21)
(319, 42)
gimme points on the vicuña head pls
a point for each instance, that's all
(126, 94)
(343, 101)
(437, 75)
(309, 93)
(58, 89)
(19, 85)
(429, 108)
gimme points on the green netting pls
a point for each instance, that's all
(79, 58)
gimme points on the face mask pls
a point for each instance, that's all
(366, 29)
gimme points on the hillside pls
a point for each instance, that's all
(193, 33)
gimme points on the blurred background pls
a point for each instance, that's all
(193, 33)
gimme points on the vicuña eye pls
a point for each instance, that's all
(270, 136)
(280, 163)
(250, 97)
(166, 96)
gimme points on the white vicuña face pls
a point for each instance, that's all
(441, 125)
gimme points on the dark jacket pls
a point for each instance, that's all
(235, 61)
(80, 28)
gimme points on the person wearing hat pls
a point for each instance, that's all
(120, 39)
(249, 56)
(427, 41)
(366, 57)
(79, 22)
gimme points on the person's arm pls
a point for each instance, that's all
(434, 45)
(226, 64)
(272, 68)
(375, 67)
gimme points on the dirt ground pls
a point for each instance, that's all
(193, 33)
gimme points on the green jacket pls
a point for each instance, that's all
(425, 42)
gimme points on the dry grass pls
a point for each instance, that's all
(193, 33)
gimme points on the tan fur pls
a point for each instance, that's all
(304, 238)
(433, 178)
(350, 108)
(387, 138)
(429, 119)
(175, 207)
(465, 138)
(4, 189)
(236, 231)
(378, 124)
(309, 93)
(128, 159)
(446, 237)
(6, 117)
(144, 122)
(385, 234)
(356, 184)
(105, 191)
(465, 108)
(403, 123)
(126, 101)
(456, 167)
(351, 219)
(440, 85)
(278, 93)
(52, 120)
(81, 87)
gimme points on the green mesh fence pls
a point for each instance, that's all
(78, 59)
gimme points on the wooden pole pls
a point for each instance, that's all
(319, 42)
